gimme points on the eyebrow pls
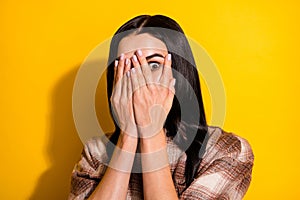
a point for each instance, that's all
(149, 57)
(155, 55)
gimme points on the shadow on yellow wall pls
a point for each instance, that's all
(64, 146)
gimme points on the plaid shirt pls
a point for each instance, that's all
(224, 173)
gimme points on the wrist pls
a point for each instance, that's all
(124, 154)
(153, 144)
(127, 142)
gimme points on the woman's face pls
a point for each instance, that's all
(152, 48)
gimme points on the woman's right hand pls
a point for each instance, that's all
(114, 183)
(121, 99)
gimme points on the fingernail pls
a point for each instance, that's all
(116, 63)
(134, 58)
(128, 73)
(169, 57)
(122, 56)
(139, 52)
(127, 61)
(133, 70)
(174, 82)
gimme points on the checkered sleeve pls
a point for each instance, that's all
(226, 174)
(88, 172)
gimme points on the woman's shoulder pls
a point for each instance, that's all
(221, 143)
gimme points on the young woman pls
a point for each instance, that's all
(162, 147)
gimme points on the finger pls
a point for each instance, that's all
(129, 85)
(119, 75)
(171, 93)
(127, 66)
(124, 87)
(138, 71)
(115, 70)
(145, 68)
(134, 80)
(120, 68)
(172, 86)
(129, 98)
(166, 75)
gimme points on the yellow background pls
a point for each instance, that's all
(255, 45)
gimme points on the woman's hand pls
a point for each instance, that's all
(121, 99)
(152, 101)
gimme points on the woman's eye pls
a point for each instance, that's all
(154, 65)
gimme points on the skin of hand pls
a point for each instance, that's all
(152, 100)
(121, 99)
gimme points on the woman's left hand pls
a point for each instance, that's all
(152, 101)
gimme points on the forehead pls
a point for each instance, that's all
(144, 41)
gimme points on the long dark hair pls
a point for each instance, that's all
(188, 133)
